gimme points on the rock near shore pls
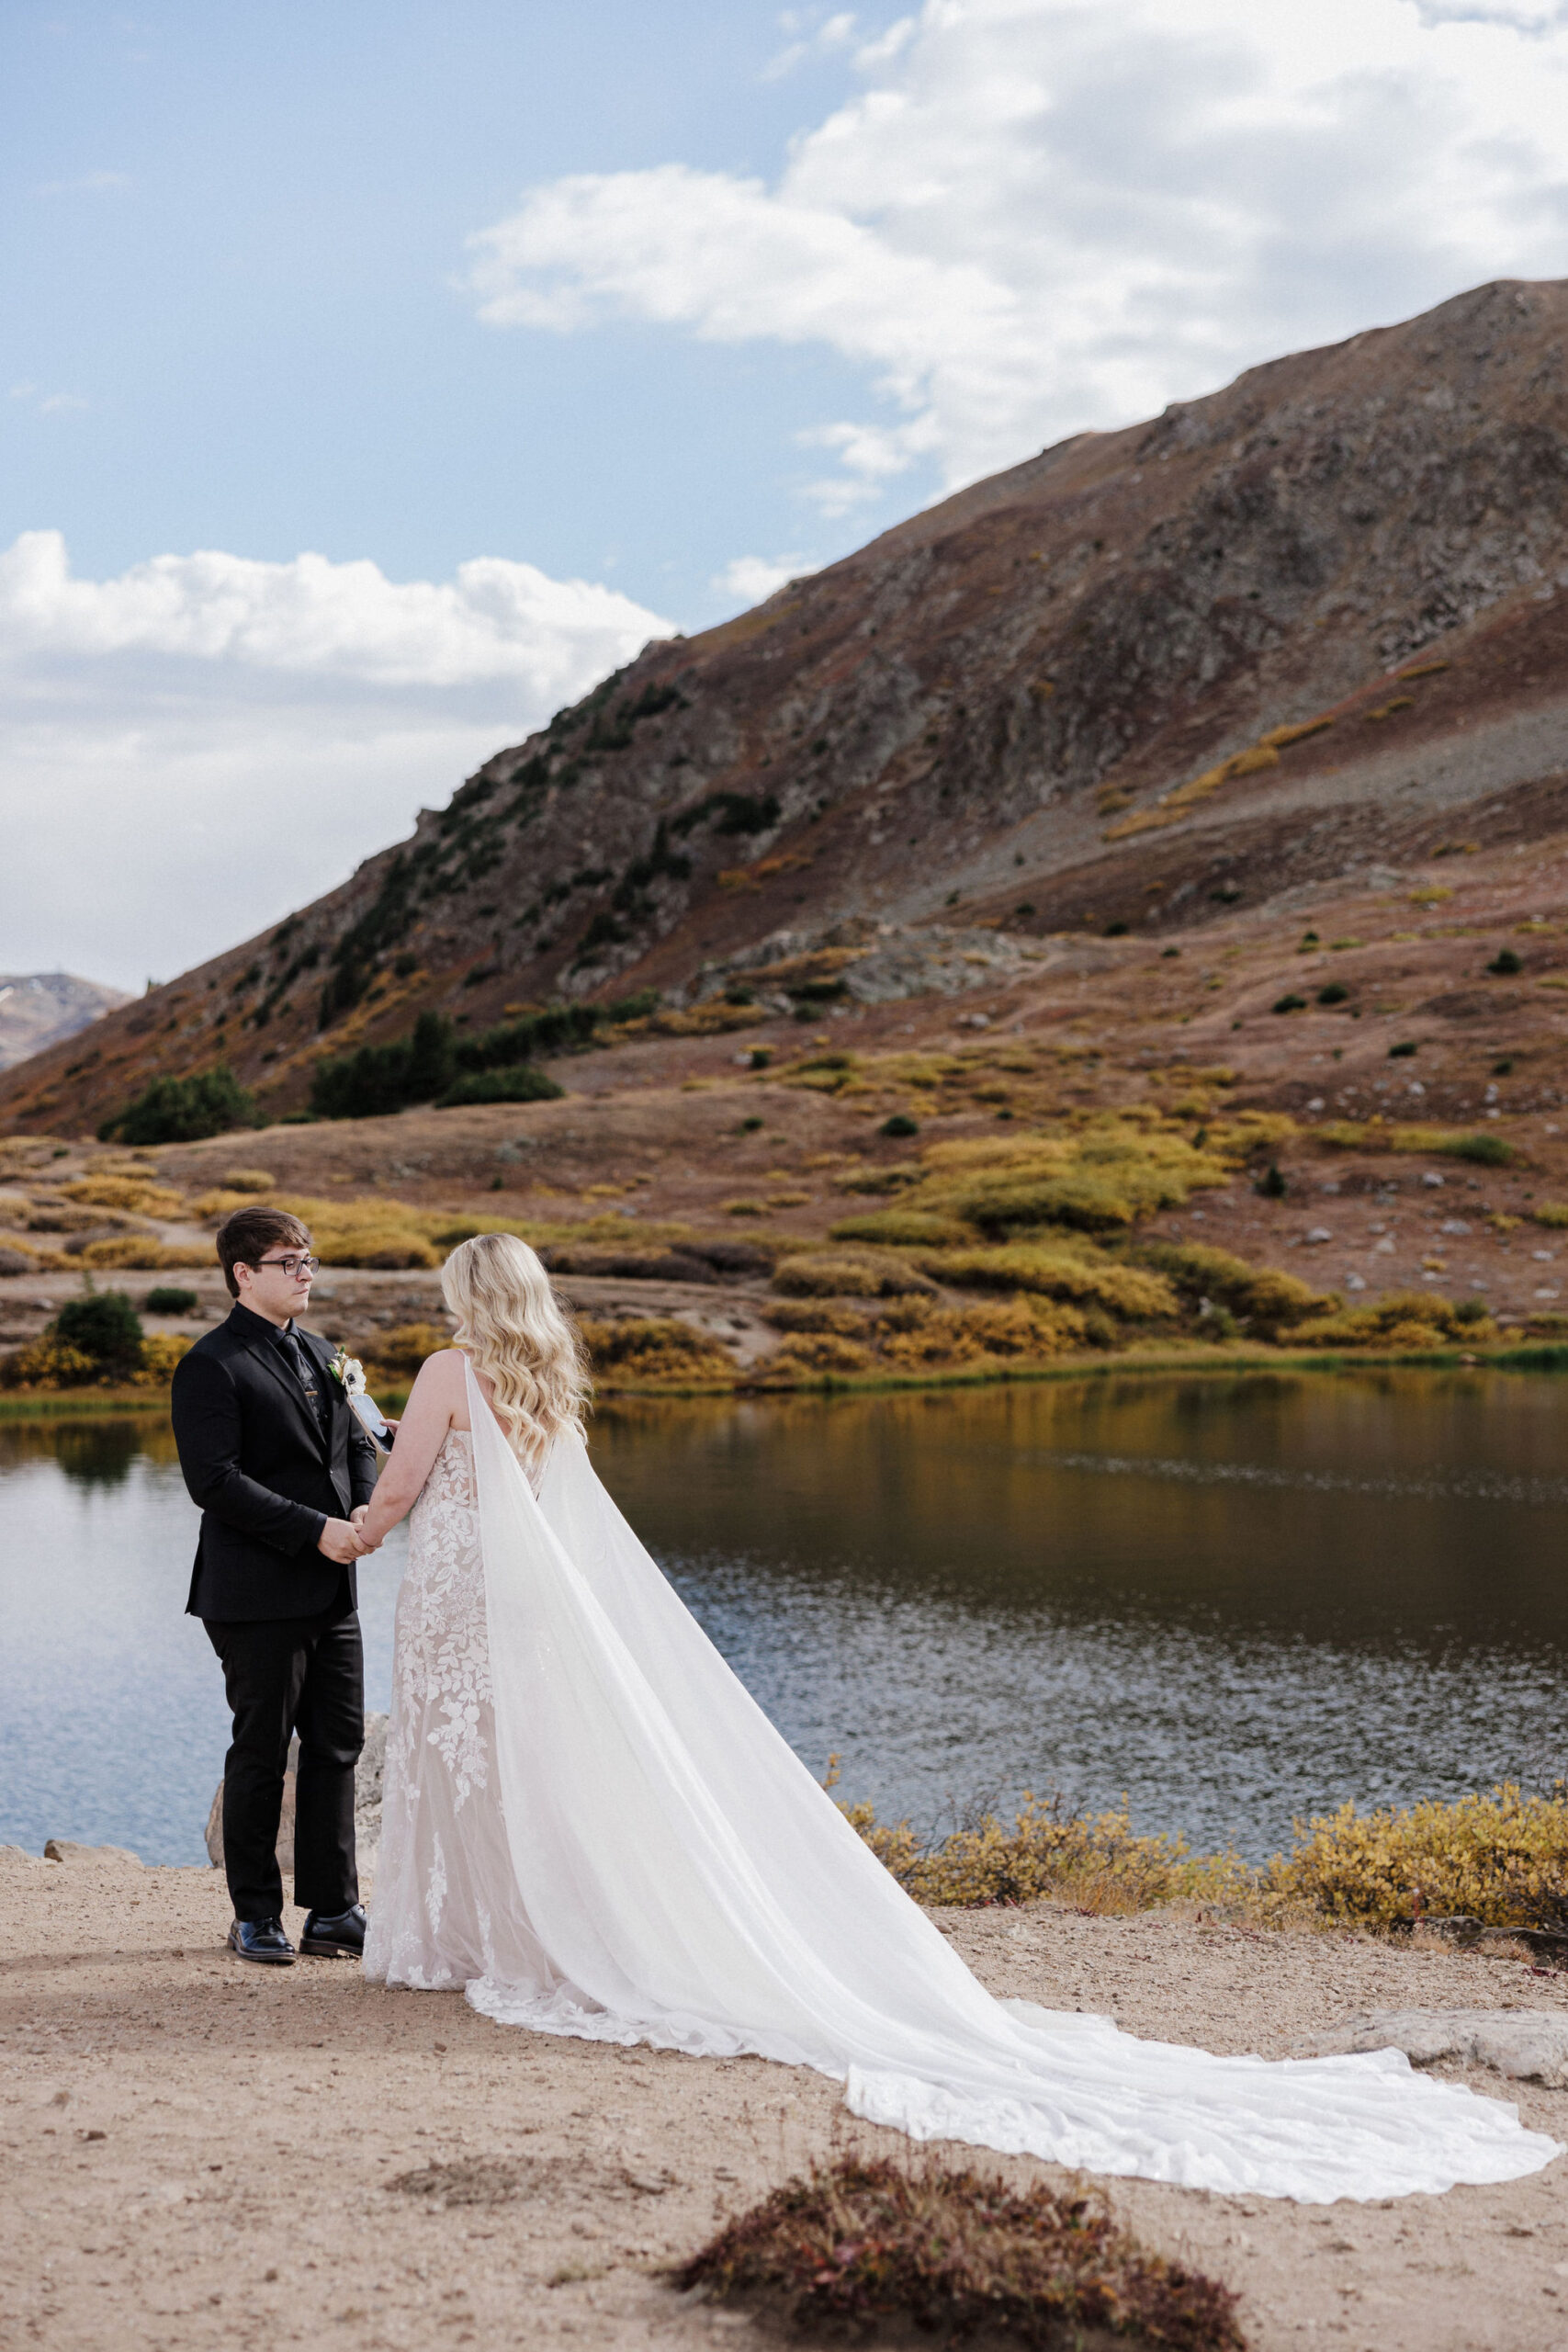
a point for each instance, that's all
(366, 1803)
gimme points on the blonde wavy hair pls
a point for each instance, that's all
(511, 1330)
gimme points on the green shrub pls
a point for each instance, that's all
(105, 1326)
(1289, 1002)
(1483, 1150)
(170, 1301)
(1333, 992)
(900, 1123)
(1505, 963)
(1403, 1050)
(524, 1083)
(183, 1110)
(1477, 1144)
(378, 1079)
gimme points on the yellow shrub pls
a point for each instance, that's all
(1267, 1299)
(654, 1351)
(129, 1250)
(901, 1228)
(159, 1357)
(1412, 1318)
(1101, 1176)
(915, 1335)
(132, 1193)
(1095, 1861)
(1126, 1291)
(367, 1232)
(816, 1314)
(1553, 1213)
(219, 1203)
(846, 1273)
(47, 1364)
(1502, 1860)
(401, 1351)
(249, 1179)
(821, 1352)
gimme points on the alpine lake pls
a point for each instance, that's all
(1232, 1600)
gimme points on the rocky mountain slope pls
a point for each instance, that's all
(42, 1009)
(1312, 623)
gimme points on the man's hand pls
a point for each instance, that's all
(357, 1518)
(340, 1540)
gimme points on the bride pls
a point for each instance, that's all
(590, 1825)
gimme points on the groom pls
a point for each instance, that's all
(282, 1472)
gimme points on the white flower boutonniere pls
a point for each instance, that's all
(348, 1372)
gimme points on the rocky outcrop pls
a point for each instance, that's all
(366, 1804)
(1530, 2045)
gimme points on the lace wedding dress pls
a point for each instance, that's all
(590, 1826)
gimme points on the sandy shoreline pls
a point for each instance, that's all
(198, 2154)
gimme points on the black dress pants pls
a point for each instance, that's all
(282, 1675)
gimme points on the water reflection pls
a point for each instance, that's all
(1236, 1599)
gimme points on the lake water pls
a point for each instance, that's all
(1234, 1599)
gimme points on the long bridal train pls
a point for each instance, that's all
(660, 1867)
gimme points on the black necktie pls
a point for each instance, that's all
(306, 1373)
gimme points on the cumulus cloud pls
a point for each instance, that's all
(192, 749)
(345, 620)
(749, 579)
(1038, 215)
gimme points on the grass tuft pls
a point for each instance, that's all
(951, 2250)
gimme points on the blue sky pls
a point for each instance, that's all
(237, 235)
(374, 378)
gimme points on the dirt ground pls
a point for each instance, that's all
(197, 2153)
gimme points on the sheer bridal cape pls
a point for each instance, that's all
(690, 1885)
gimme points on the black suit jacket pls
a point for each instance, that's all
(263, 1476)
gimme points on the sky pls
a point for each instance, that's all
(375, 379)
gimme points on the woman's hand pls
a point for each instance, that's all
(434, 1402)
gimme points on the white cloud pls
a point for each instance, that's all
(192, 749)
(1039, 215)
(750, 579)
(810, 40)
(85, 183)
(342, 620)
(49, 403)
(1517, 15)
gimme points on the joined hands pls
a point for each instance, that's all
(342, 1540)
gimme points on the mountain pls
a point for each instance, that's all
(1314, 621)
(42, 1009)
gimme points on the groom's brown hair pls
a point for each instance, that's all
(249, 1234)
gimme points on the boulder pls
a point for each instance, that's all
(366, 1803)
(1530, 2045)
(65, 1849)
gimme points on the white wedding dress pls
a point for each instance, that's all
(590, 1826)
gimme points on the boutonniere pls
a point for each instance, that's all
(348, 1372)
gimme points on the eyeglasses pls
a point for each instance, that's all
(296, 1263)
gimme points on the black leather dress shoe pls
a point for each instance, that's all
(262, 1939)
(343, 1935)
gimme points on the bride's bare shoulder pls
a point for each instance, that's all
(440, 1378)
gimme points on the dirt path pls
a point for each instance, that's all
(197, 2154)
